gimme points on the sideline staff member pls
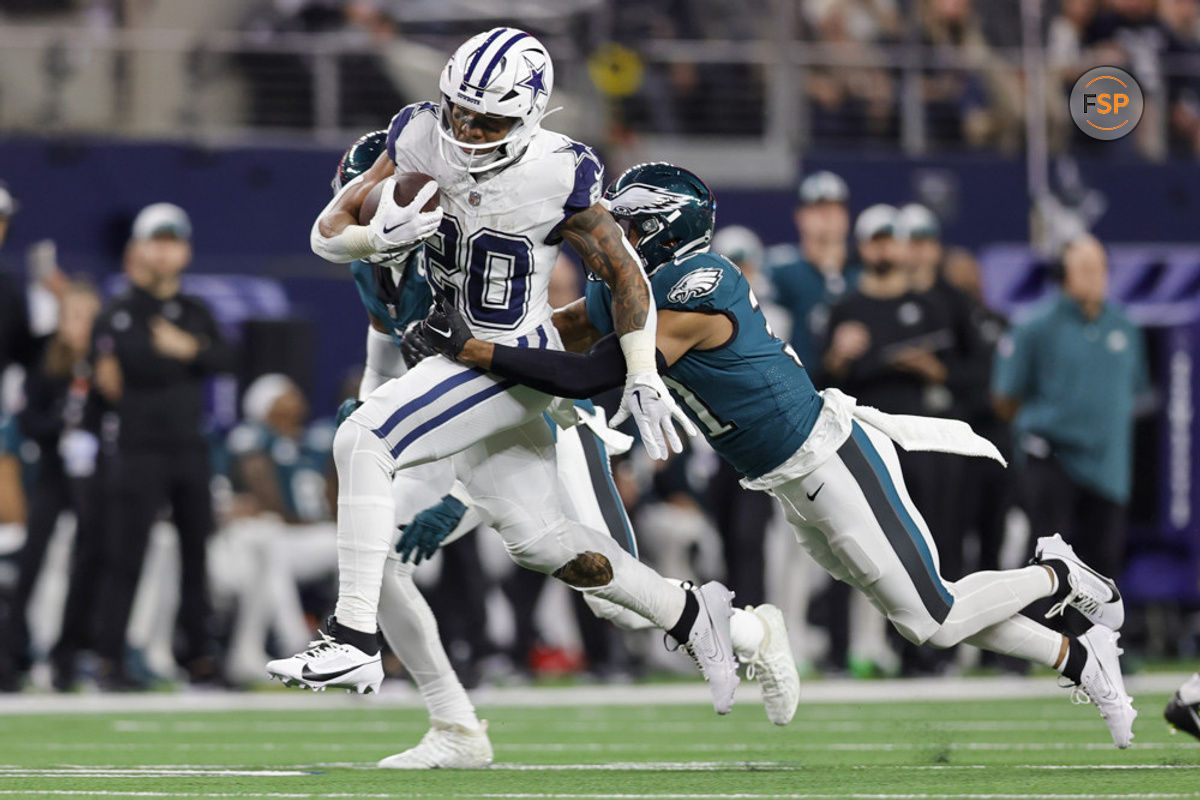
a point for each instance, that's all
(1068, 376)
(155, 349)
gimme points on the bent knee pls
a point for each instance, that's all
(585, 571)
(945, 636)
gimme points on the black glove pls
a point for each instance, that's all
(446, 330)
(414, 347)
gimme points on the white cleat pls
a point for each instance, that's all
(1102, 684)
(774, 667)
(710, 645)
(445, 746)
(330, 663)
(1090, 593)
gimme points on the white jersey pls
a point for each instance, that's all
(499, 238)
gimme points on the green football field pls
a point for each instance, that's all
(610, 744)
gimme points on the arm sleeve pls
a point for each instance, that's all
(578, 376)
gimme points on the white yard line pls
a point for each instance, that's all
(612, 796)
(397, 694)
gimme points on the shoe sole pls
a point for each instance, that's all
(348, 682)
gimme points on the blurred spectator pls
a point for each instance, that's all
(980, 105)
(1182, 21)
(743, 247)
(963, 394)
(810, 279)
(281, 83)
(888, 347)
(987, 489)
(155, 349)
(1068, 376)
(852, 104)
(60, 421)
(16, 340)
(1129, 34)
(283, 533)
(742, 516)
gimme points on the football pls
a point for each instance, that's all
(407, 186)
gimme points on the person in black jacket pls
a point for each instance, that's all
(56, 419)
(155, 349)
(17, 344)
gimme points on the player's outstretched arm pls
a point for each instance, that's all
(601, 244)
(563, 374)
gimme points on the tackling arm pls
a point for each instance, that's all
(603, 366)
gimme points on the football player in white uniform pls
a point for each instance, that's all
(511, 192)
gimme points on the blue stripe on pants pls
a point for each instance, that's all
(433, 394)
(882, 479)
(450, 413)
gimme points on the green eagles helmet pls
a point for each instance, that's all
(672, 209)
(359, 158)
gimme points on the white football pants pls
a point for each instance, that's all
(854, 516)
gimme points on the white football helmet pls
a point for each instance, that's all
(504, 71)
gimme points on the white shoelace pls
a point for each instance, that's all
(1077, 597)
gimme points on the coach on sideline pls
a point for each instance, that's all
(1068, 377)
(155, 349)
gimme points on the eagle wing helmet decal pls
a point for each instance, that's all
(638, 199)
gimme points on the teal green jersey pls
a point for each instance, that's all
(751, 396)
(393, 301)
(301, 465)
(1077, 381)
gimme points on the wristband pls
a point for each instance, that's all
(638, 347)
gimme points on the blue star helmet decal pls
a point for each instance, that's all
(536, 82)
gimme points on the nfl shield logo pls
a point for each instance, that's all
(473, 198)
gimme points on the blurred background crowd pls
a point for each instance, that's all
(900, 179)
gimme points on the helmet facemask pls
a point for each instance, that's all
(503, 72)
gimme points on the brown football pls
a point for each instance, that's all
(407, 186)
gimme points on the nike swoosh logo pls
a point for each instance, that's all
(309, 675)
(439, 331)
(813, 496)
(388, 230)
(637, 395)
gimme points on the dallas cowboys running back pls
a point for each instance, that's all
(830, 463)
(511, 193)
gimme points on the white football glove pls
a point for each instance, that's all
(647, 400)
(396, 229)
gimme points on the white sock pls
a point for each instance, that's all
(1021, 637)
(447, 701)
(364, 527)
(411, 631)
(748, 632)
(982, 599)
